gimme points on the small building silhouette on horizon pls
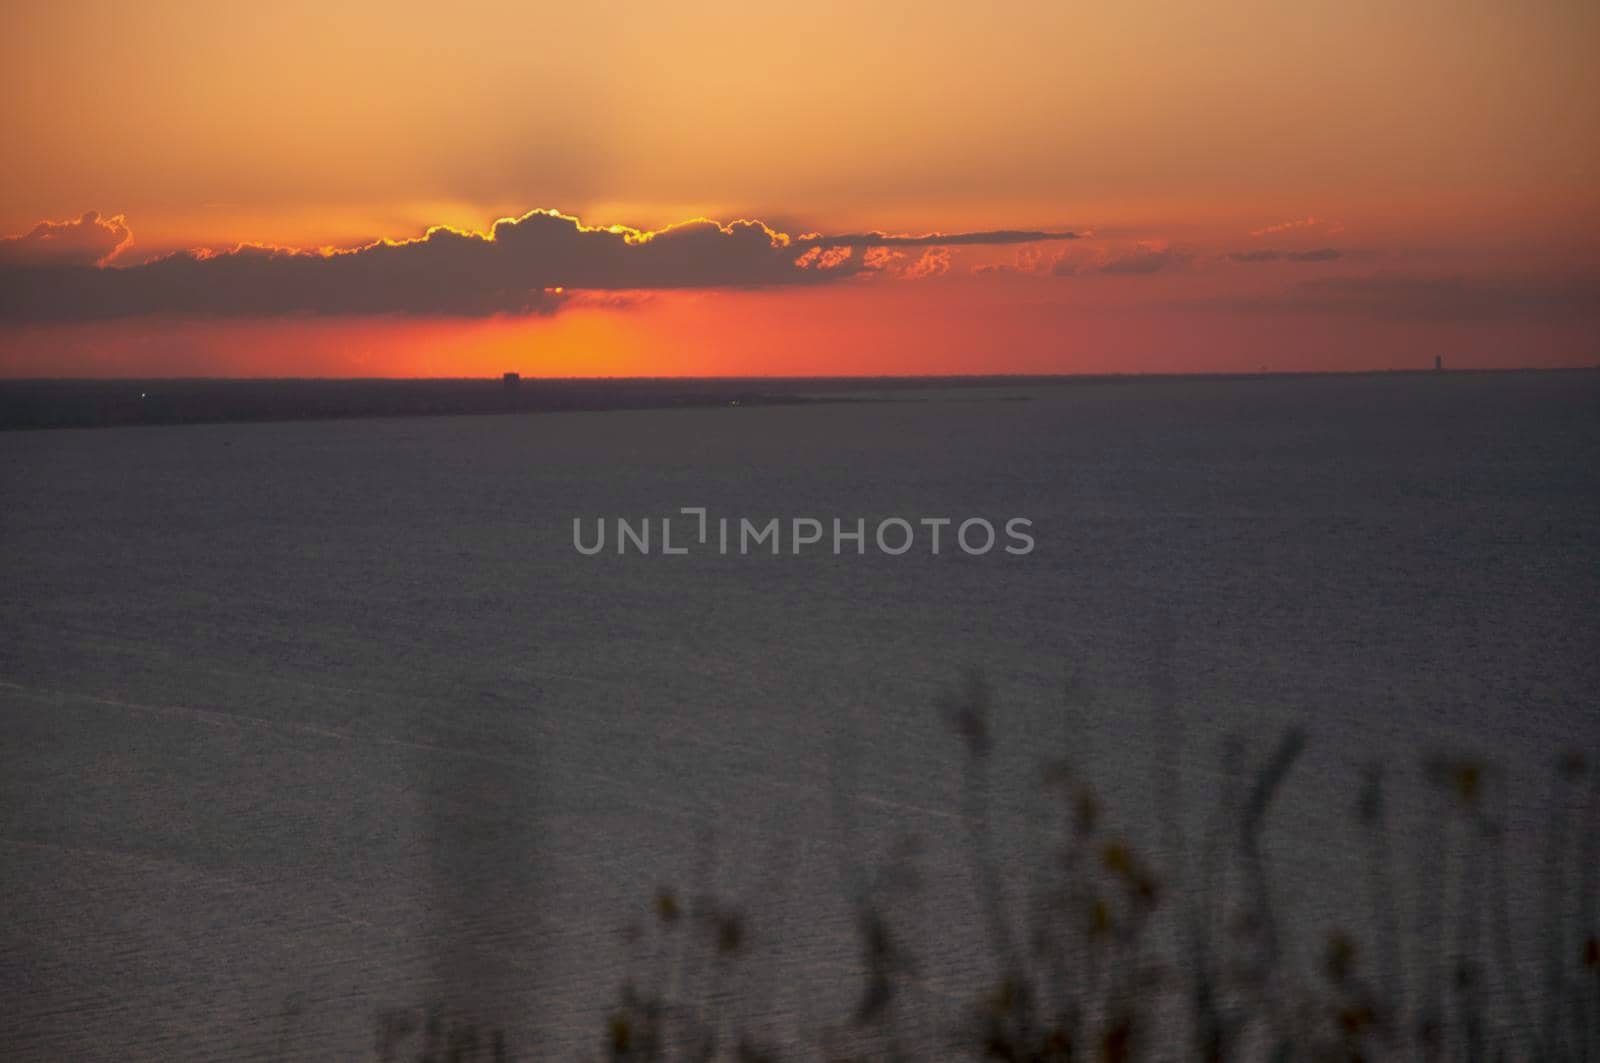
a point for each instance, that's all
(511, 381)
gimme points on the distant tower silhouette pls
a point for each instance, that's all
(1438, 363)
(511, 381)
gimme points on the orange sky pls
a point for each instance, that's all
(1300, 186)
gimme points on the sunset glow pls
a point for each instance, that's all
(902, 190)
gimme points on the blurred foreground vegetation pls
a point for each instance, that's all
(1081, 975)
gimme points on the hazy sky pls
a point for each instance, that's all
(1120, 187)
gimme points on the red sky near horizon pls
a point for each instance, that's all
(193, 190)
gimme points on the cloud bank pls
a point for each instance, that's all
(89, 241)
(525, 265)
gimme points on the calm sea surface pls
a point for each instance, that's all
(303, 722)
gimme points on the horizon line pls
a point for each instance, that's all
(786, 377)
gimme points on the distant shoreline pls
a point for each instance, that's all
(37, 404)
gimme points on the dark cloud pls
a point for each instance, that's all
(991, 238)
(521, 266)
(1319, 254)
(89, 241)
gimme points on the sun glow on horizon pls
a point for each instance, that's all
(1235, 185)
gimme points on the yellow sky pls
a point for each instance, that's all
(1464, 133)
(314, 121)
